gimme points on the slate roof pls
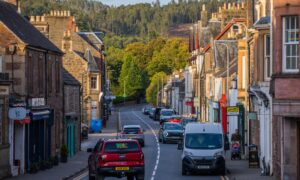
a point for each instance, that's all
(23, 29)
(93, 38)
(87, 56)
(263, 22)
(69, 79)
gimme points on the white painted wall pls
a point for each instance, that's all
(232, 120)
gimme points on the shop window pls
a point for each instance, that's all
(94, 82)
(290, 44)
(267, 52)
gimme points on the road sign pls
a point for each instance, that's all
(233, 111)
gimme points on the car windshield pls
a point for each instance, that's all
(173, 127)
(167, 113)
(203, 141)
(121, 147)
(132, 130)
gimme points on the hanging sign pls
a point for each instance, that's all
(233, 111)
(17, 113)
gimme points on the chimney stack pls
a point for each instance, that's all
(16, 4)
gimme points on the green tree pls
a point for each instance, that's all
(156, 81)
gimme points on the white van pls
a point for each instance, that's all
(203, 149)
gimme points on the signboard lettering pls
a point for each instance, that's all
(17, 113)
(233, 111)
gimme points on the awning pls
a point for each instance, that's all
(26, 120)
(40, 115)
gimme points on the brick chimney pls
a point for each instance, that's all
(16, 3)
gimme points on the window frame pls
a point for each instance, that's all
(284, 45)
(96, 82)
(266, 65)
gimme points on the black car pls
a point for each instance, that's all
(170, 132)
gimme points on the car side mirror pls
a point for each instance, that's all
(89, 150)
(179, 145)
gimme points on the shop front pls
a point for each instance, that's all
(38, 137)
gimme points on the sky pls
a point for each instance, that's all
(126, 2)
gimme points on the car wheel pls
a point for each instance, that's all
(183, 170)
(91, 177)
(130, 177)
(99, 177)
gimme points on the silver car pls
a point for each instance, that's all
(133, 132)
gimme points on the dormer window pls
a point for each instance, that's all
(94, 83)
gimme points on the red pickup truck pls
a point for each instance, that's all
(116, 158)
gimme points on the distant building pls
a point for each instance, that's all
(72, 119)
(83, 59)
(30, 134)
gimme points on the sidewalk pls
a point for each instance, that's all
(78, 163)
(239, 170)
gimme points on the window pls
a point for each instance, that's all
(267, 62)
(94, 82)
(57, 75)
(41, 74)
(290, 44)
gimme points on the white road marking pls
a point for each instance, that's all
(226, 177)
(82, 176)
(157, 144)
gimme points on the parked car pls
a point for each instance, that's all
(116, 158)
(151, 113)
(186, 120)
(166, 114)
(146, 110)
(133, 132)
(203, 148)
(175, 119)
(84, 131)
(170, 132)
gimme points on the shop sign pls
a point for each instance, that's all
(252, 116)
(34, 102)
(4, 90)
(233, 111)
(17, 113)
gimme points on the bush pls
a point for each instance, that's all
(120, 99)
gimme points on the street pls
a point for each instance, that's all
(162, 160)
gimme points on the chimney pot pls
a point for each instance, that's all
(51, 13)
(243, 5)
(68, 13)
(32, 18)
(43, 18)
(224, 6)
(38, 18)
(220, 9)
(229, 6)
(238, 6)
(203, 7)
(55, 13)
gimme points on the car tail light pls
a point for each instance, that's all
(123, 132)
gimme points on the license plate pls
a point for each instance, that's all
(203, 167)
(122, 168)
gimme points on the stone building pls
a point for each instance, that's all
(32, 129)
(72, 122)
(83, 58)
(285, 89)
